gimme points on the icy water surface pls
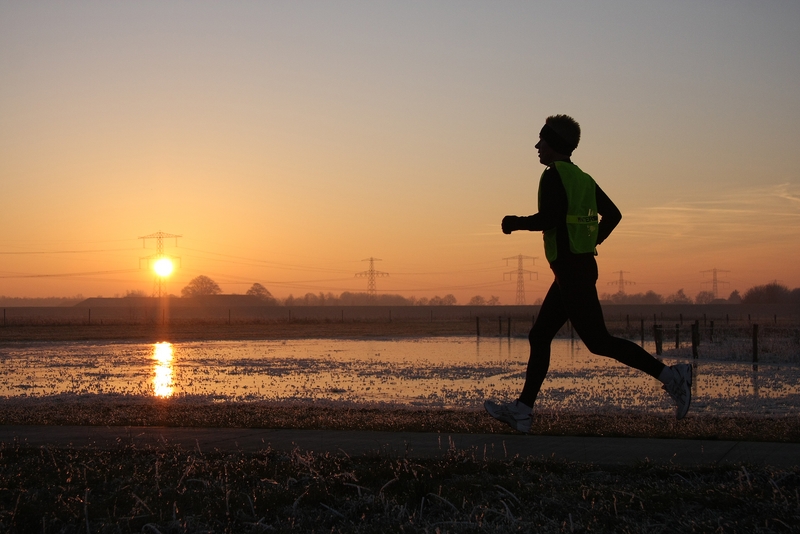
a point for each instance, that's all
(449, 372)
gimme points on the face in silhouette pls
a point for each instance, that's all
(546, 154)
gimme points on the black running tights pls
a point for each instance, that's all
(577, 301)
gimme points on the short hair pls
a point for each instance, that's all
(566, 127)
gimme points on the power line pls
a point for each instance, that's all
(621, 283)
(66, 275)
(371, 274)
(714, 282)
(520, 272)
(33, 252)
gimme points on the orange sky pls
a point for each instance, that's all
(288, 142)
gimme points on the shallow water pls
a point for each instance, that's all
(445, 372)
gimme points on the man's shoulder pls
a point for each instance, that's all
(551, 173)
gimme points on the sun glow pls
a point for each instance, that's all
(162, 379)
(163, 267)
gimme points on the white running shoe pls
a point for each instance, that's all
(680, 388)
(511, 413)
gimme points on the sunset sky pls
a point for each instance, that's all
(288, 141)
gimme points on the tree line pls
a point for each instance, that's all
(203, 285)
(772, 293)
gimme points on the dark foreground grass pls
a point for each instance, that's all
(173, 490)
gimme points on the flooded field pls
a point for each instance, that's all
(446, 372)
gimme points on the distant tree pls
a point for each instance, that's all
(199, 286)
(679, 297)
(310, 299)
(794, 296)
(257, 290)
(619, 297)
(704, 297)
(135, 293)
(447, 300)
(386, 299)
(477, 300)
(423, 301)
(262, 293)
(493, 301)
(651, 297)
(773, 293)
(735, 297)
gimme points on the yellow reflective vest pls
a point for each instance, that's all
(582, 220)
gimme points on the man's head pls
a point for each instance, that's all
(559, 137)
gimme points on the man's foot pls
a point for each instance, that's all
(680, 388)
(514, 414)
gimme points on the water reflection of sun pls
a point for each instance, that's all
(162, 378)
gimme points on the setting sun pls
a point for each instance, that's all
(163, 267)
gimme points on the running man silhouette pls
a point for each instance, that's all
(575, 216)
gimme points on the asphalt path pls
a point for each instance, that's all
(592, 450)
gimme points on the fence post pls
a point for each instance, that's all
(677, 336)
(711, 333)
(90, 316)
(499, 326)
(627, 321)
(695, 339)
(642, 332)
(697, 326)
(478, 325)
(658, 339)
(755, 343)
(509, 328)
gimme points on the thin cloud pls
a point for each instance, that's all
(740, 214)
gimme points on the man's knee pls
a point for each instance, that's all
(600, 345)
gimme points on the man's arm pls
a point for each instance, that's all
(553, 207)
(610, 216)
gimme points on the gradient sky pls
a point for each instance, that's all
(288, 141)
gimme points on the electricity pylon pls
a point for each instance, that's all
(370, 275)
(520, 272)
(714, 282)
(158, 286)
(621, 282)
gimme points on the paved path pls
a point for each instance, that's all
(607, 451)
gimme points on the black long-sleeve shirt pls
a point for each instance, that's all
(553, 214)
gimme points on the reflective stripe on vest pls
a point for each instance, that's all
(582, 220)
